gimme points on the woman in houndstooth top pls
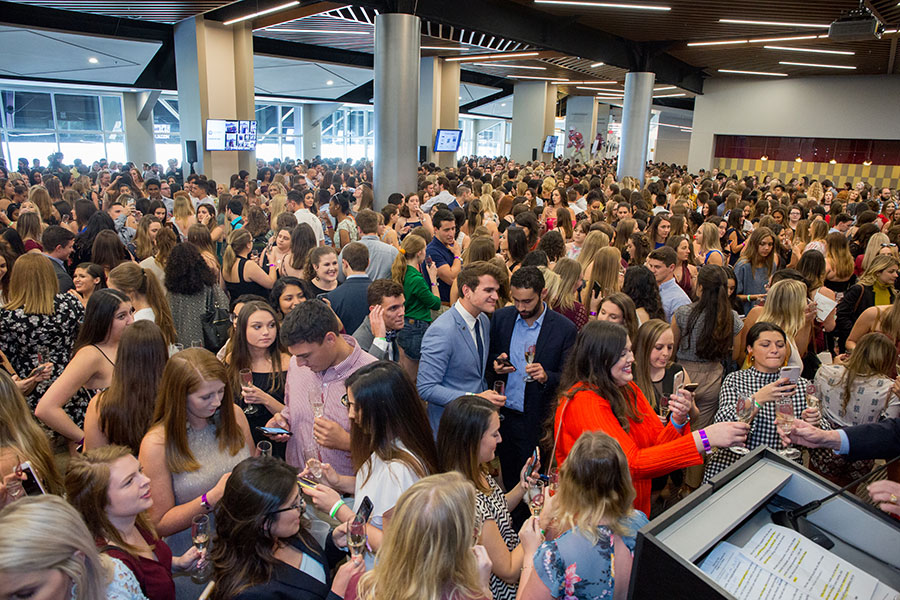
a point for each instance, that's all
(766, 351)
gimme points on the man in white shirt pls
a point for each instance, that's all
(381, 255)
(295, 204)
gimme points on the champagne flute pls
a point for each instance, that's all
(500, 387)
(784, 419)
(745, 411)
(247, 381)
(265, 448)
(553, 484)
(536, 502)
(200, 538)
(476, 530)
(812, 396)
(356, 536)
(664, 407)
(529, 358)
(313, 460)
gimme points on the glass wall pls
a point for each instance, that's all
(349, 133)
(36, 124)
(493, 140)
(279, 130)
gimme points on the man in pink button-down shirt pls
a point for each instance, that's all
(323, 360)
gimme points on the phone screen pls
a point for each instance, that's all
(274, 430)
(31, 484)
(365, 509)
(597, 289)
(534, 457)
(792, 373)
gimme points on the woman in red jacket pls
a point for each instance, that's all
(602, 396)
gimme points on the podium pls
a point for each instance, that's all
(734, 506)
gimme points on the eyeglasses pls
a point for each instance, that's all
(299, 505)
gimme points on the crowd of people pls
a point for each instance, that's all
(511, 369)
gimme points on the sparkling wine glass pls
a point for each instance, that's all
(529, 358)
(313, 460)
(247, 381)
(553, 483)
(784, 419)
(812, 396)
(745, 411)
(265, 448)
(536, 502)
(500, 387)
(356, 536)
(200, 537)
(664, 407)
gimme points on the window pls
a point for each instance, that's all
(77, 113)
(28, 110)
(492, 140)
(349, 133)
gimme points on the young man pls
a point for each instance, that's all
(296, 206)
(445, 252)
(377, 334)
(58, 243)
(662, 263)
(455, 346)
(528, 322)
(323, 360)
(348, 300)
(381, 255)
(233, 211)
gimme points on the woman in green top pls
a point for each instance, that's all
(421, 298)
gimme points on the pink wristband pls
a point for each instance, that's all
(707, 447)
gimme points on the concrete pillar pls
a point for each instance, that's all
(438, 106)
(635, 125)
(139, 143)
(396, 104)
(534, 111)
(214, 70)
(602, 129)
(312, 127)
(581, 116)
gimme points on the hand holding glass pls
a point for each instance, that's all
(247, 381)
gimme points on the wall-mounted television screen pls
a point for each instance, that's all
(230, 135)
(550, 144)
(447, 140)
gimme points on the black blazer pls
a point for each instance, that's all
(288, 583)
(857, 299)
(65, 280)
(349, 302)
(556, 338)
(874, 440)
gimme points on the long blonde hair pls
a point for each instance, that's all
(593, 242)
(21, 435)
(569, 272)
(878, 265)
(709, 238)
(875, 355)
(131, 278)
(50, 534)
(237, 240)
(873, 247)
(837, 251)
(607, 263)
(595, 487)
(427, 552)
(32, 285)
(785, 305)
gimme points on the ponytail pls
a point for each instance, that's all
(236, 239)
(411, 246)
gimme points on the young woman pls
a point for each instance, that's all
(390, 445)
(278, 248)
(412, 216)
(565, 300)
(467, 439)
(704, 333)
(685, 271)
(593, 242)
(345, 230)
(145, 238)
(427, 552)
(123, 413)
(619, 308)
(21, 440)
(659, 231)
(598, 393)
(654, 371)
(874, 288)
(580, 232)
(198, 235)
(108, 488)
(420, 298)
(146, 295)
(302, 242)
(818, 230)
(255, 344)
(183, 214)
(263, 546)
(87, 278)
(287, 293)
(242, 275)
(767, 350)
(514, 247)
(735, 235)
(638, 248)
(786, 306)
(322, 269)
(63, 405)
(29, 228)
(640, 285)
(596, 523)
(206, 216)
(108, 250)
(196, 439)
(755, 267)
(606, 277)
(165, 242)
(708, 246)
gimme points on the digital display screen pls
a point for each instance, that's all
(230, 135)
(550, 144)
(447, 140)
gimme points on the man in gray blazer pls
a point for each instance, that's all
(378, 333)
(58, 243)
(455, 346)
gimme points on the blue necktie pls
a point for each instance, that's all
(480, 343)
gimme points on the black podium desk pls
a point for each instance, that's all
(734, 506)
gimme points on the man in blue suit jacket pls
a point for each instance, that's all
(455, 346)
(528, 322)
(348, 300)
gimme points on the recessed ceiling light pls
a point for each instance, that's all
(605, 5)
(803, 64)
(735, 71)
(595, 65)
(503, 104)
(597, 89)
(551, 79)
(478, 57)
(329, 82)
(718, 43)
(774, 23)
(791, 38)
(832, 162)
(867, 163)
(441, 48)
(593, 82)
(813, 50)
(93, 60)
(670, 95)
(502, 66)
(262, 12)
(668, 87)
(323, 31)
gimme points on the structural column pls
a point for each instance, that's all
(139, 143)
(396, 104)
(635, 125)
(534, 109)
(438, 106)
(214, 70)
(581, 118)
(312, 127)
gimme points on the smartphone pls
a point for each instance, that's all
(32, 483)
(534, 457)
(274, 430)
(597, 289)
(365, 509)
(35, 371)
(305, 483)
(792, 373)
(504, 362)
(322, 296)
(678, 381)
(690, 387)
(429, 261)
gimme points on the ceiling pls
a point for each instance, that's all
(161, 11)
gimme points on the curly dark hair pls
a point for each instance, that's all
(553, 244)
(640, 286)
(186, 271)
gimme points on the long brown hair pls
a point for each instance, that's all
(131, 278)
(712, 313)
(184, 373)
(463, 424)
(647, 336)
(751, 249)
(239, 350)
(144, 246)
(87, 489)
(874, 355)
(126, 407)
